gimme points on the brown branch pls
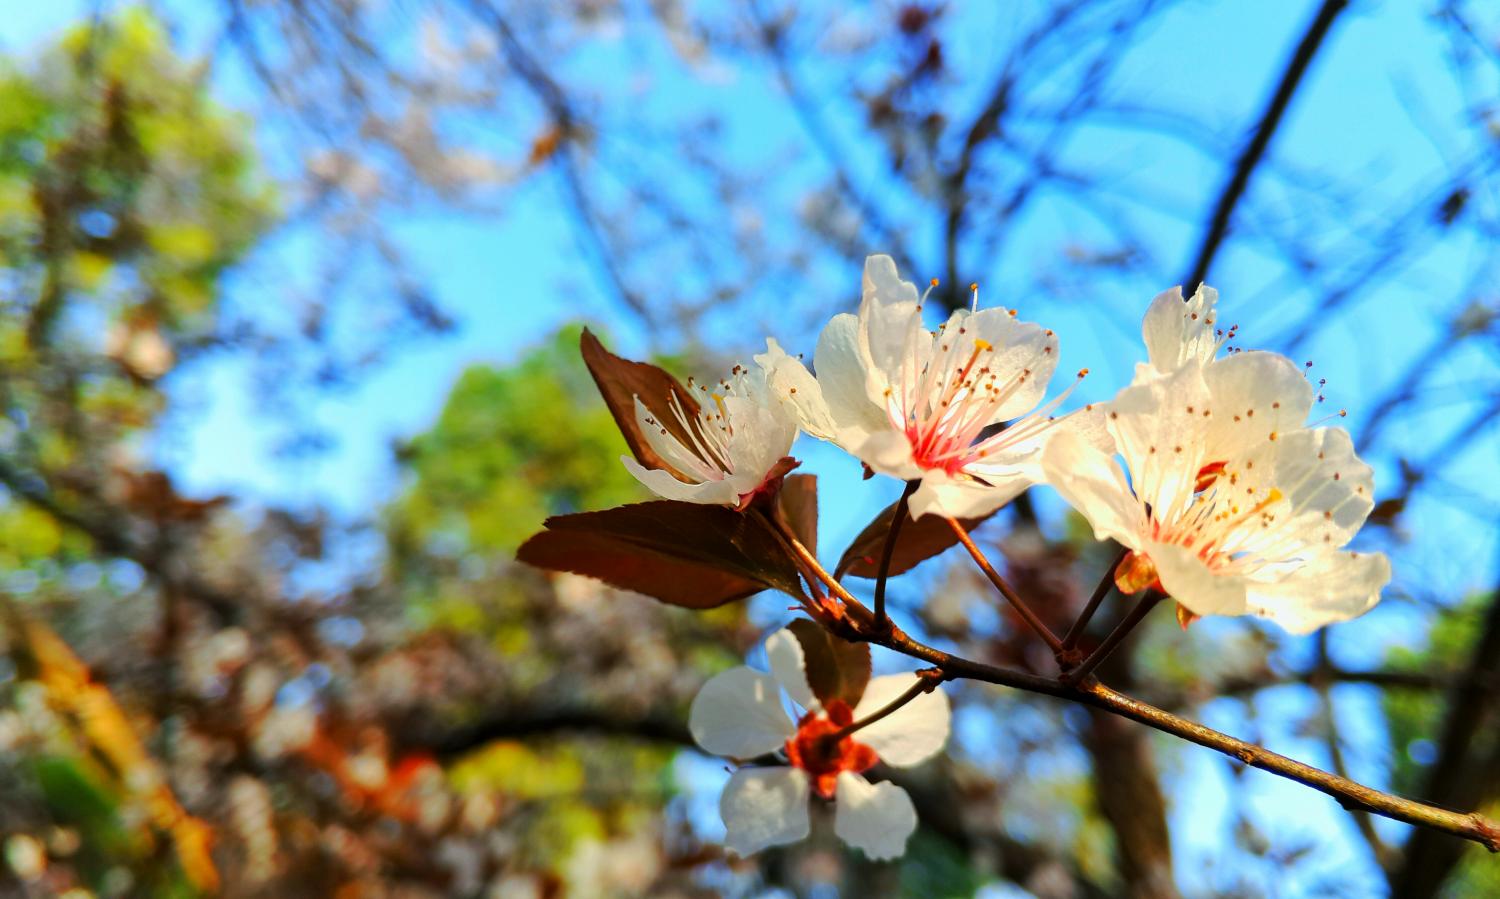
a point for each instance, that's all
(1128, 790)
(1016, 860)
(1249, 684)
(989, 123)
(926, 681)
(1011, 596)
(1250, 156)
(1070, 639)
(568, 128)
(857, 623)
(110, 534)
(898, 517)
(1133, 617)
(657, 727)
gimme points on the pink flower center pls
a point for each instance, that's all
(945, 406)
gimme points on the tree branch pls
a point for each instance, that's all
(111, 536)
(1006, 590)
(1250, 156)
(1127, 789)
(898, 517)
(824, 140)
(857, 622)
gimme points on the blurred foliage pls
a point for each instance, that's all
(125, 193)
(1413, 718)
(511, 447)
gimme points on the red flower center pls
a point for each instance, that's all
(813, 749)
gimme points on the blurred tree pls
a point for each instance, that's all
(125, 195)
(511, 447)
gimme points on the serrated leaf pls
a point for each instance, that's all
(918, 541)
(685, 554)
(836, 668)
(620, 381)
(799, 503)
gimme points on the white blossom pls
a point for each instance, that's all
(741, 714)
(1179, 331)
(923, 405)
(1228, 502)
(737, 442)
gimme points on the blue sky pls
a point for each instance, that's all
(511, 281)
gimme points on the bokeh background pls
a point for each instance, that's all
(291, 296)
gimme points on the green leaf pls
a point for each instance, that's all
(684, 554)
(836, 668)
(918, 541)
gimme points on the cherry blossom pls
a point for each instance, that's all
(741, 714)
(1232, 505)
(923, 405)
(731, 449)
(1179, 331)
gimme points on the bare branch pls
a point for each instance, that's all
(1250, 156)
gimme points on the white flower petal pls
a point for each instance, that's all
(789, 665)
(1159, 427)
(1021, 352)
(1252, 396)
(843, 371)
(762, 436)
(1093, 484)
(666, 486)
(1178, 332)
(913, 733)
(959, 497)
(1335, 587)
(666, 445)
(1329, 491)
(738, 714)
(1188, 580)
(794, 385)
(875, 818)
(888, 452)
(1092, 424)
(764, 807)
(888, 314)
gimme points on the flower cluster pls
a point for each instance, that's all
(1204, 468)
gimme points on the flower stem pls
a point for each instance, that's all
(927, 680)
(815, 570)
(1135, 616)
(1071, 638)
(1005, 589)
(898, 517)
